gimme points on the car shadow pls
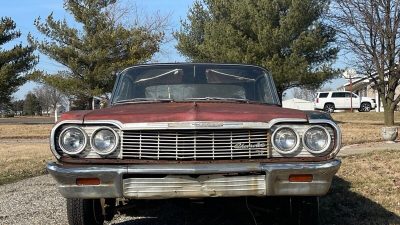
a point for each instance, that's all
(343, 206)
(340, 206)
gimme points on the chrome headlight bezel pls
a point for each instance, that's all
(111, 150)
(293, 149)
(81, 149)
(327, 145)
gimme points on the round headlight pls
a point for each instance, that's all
(317, 139)
(104, 141)
(285, 140)
(72, 140)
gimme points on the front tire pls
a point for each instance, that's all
(304, 210)
(84, 211)
(365, 107)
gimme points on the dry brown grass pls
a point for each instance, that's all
(365, 191)
(361, 127)
(364, 118)
(22, 160)
(356, 133)
(25, 131)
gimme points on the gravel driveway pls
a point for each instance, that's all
(36, 201)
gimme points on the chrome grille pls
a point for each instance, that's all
(195, 144)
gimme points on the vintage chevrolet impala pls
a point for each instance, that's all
(193, 131)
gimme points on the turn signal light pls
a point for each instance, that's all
(87, 181)
(301, 178)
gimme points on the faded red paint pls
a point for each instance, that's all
(187, 111)
(74, 115)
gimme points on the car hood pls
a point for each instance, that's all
(187, 111)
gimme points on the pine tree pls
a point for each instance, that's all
(31, 105)
(15, 63)
(288, 37)
(93, 53)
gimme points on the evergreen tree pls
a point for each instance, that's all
(18, 107)
(95, 52)
(32, 105)
(288, 37)
(15, 63)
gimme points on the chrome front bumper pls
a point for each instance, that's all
(194, 180)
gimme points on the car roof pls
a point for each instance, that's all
(192, 63)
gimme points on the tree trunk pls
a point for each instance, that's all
(280, 95)
(389, 116)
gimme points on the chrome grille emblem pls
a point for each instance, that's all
(249, 146)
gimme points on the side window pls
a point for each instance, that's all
(338, 95)
(355, 96)
(347, 95)
(323, 95)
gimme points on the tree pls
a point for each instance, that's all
(49, 97)
(369, 29)
(305, 94)
(288, 37)
(15, 63)
(31, 105)
(18, 107)
(94, 53)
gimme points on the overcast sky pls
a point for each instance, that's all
(24, 12)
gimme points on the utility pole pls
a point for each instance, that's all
(350, 74)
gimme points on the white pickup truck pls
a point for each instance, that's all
(332, 100)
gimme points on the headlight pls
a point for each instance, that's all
(104, 141)
(72, 140)
(285, 140)
(317, 139)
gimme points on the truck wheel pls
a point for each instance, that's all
(84, 211)
(329, 107)
(365, 107)
(304, 210)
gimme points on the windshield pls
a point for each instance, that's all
(195, 82)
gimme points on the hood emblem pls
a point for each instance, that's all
(205, 124)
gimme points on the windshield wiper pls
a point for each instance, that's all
(138, 100)
(219, 99)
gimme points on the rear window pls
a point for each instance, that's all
(323, 95)
(338, 95)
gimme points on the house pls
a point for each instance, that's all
(365, 87)
(295, 103)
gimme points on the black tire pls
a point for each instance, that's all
(365, 107)
(329, 108)
(304, 210)
(84, 211)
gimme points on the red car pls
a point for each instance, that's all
(193, 131)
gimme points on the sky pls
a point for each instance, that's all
(24, 12)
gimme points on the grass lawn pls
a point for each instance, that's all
(364, 118)
(365, 191)
(23, 131)
(361, 127)
(22, 160)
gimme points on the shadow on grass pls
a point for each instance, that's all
(340, 206)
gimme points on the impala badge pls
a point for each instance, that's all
(249, 146)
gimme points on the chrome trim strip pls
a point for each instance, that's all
(196, 124)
